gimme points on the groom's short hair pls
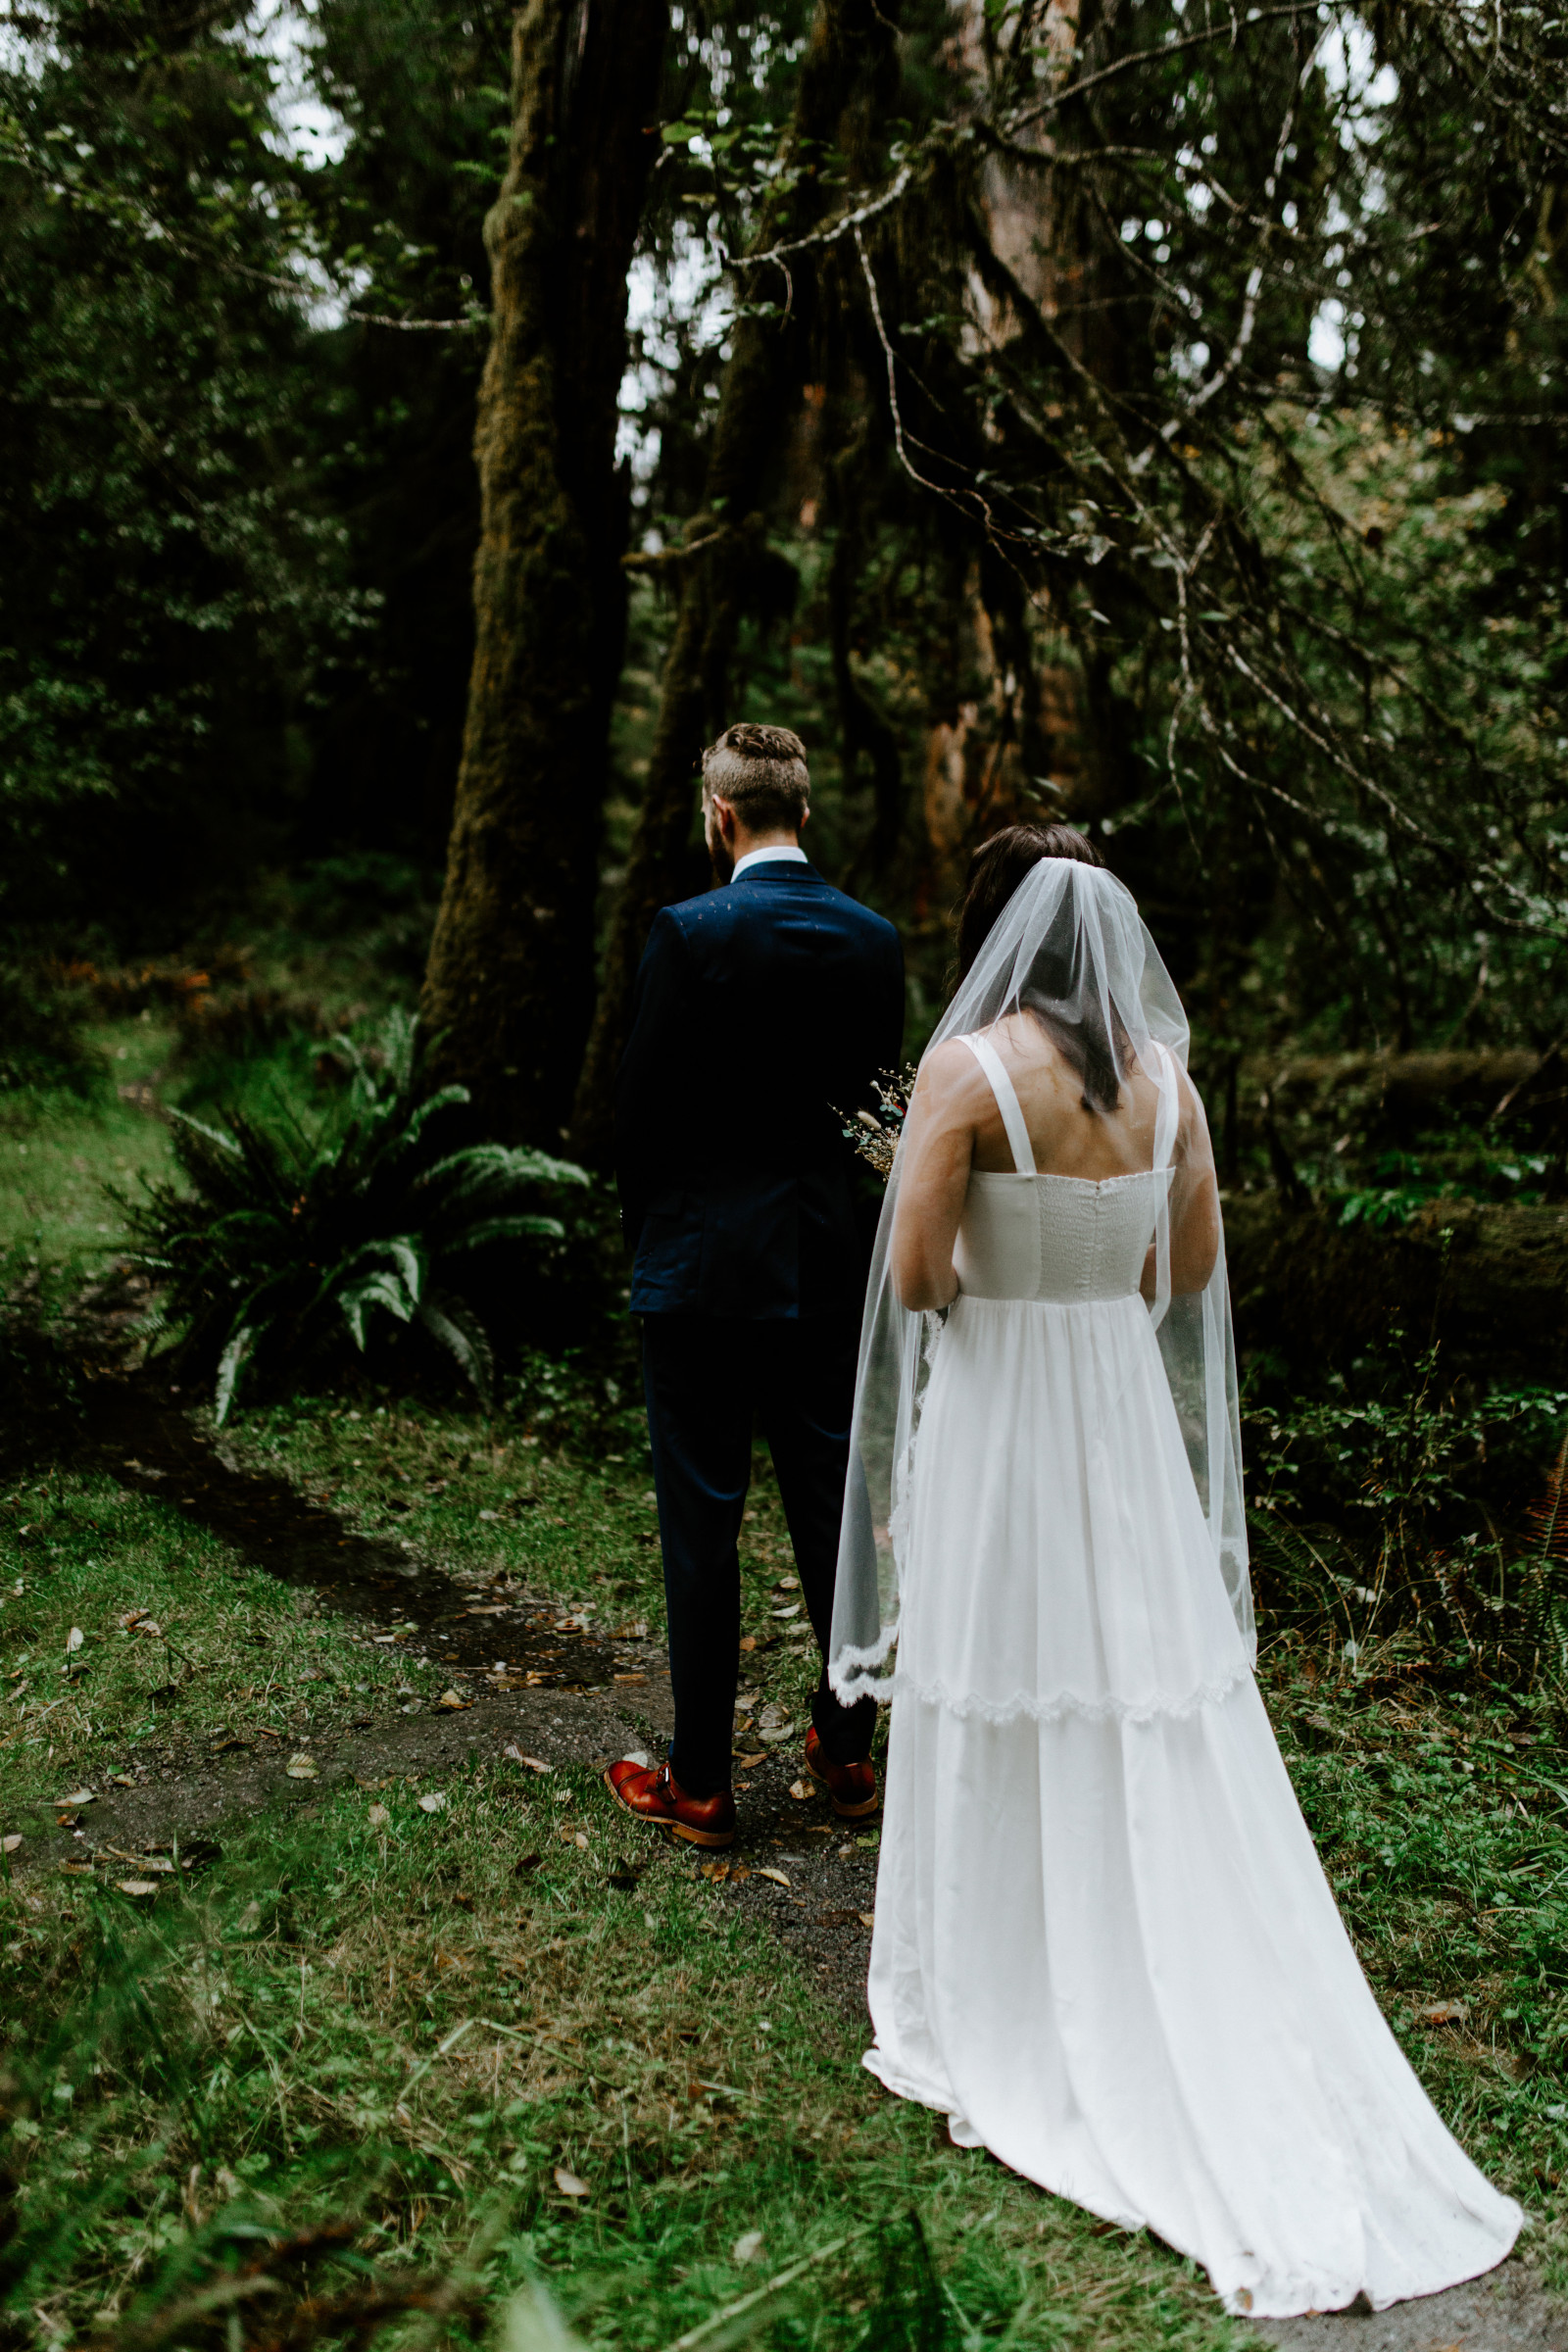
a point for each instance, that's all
(762, 772)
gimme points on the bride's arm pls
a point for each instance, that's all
(933, 1164)
(1194, 1203)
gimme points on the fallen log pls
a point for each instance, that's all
(1488, 1283)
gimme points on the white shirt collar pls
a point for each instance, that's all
(795, 856)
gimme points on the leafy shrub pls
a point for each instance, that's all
(1400, 1502)
(245, 1021)
(40, 1039)
(292, 1235)
(40, 1400)
(594, 1399)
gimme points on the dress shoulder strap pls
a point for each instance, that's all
(1165, 1117)
(1001, 1086)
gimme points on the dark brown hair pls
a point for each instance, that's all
(996, 870)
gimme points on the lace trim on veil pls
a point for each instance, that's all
(852, 1673)
(1053, 1705)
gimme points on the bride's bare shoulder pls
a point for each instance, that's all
(950, 1078)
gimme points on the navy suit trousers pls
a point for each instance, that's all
(707, 1378)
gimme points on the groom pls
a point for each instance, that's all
(762, 1011)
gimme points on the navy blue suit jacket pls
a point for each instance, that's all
(762, 1012)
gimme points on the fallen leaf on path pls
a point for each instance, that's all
(718, 1872)
(75, 1640)
(777, 1877)
(378, 1817)
(453, 1698)
(747, 1641)
(434, 1803)
(489, 1514)
(788, 1584)
(140, 1888)
(79, 1796)
(9, 1845)
(799, 1788)
(867, 1919)
(1445, 2013)
(792, 1610)
(581, 1840)
(748, 1763)
(568, 2184)
(301, 1768)
(77, 1869)
(534, 1763)
(150, 1626)
(747, 2247)
(629, 1677)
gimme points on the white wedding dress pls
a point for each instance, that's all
(1105, 1946)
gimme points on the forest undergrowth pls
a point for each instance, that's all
(398, 2053)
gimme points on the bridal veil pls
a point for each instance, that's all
(1070, 949)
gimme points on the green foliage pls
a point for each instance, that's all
(171, 1624)
(1441, 1829)
(173, 578)
(1394, 1504)
(270, 2056)
(294, 1234)
(40, 1389)
(1396, 1185)
(40, 1035)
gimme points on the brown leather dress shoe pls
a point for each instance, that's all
(655, 1795)
(851, 1787)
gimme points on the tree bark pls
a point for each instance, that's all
(848, 72)
(510, 982)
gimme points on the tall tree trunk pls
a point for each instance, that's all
(510, 982)
(847, 76)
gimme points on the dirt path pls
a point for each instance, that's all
(1505, 2311)
(578, 1713)
(592, 1698)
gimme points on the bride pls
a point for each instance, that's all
(1105, 1947)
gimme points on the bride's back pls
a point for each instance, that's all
(1068, 1137)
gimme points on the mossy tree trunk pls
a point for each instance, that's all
(509, 988)
(847, 78)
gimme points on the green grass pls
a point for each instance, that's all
(1443, 1823)
(127, 1632)
(485, 1498)
(377, 2012)
(374, 2014)
(60, 1150)
(300, 1986)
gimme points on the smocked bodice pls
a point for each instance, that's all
(1057, 1237)
(1064, 1238)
